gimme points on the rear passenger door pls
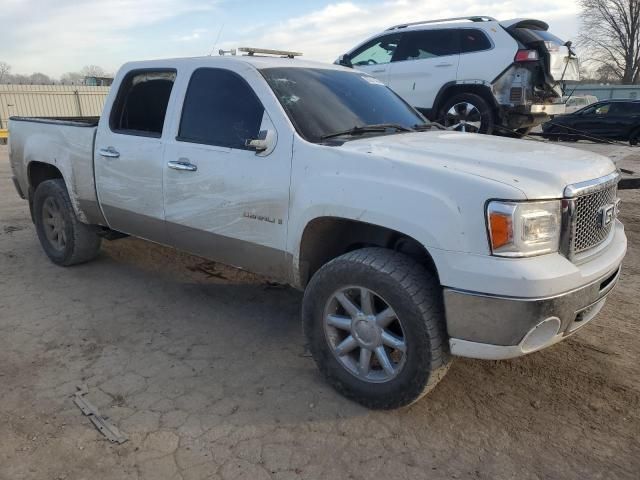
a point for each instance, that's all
(128, 157)
(222, 199)
(424, 61)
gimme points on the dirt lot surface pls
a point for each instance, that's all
(204, 368)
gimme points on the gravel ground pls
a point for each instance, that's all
(203, 368)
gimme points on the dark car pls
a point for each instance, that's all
(609, 119)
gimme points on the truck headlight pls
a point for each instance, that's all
(523, 229)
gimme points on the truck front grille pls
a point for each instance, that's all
(589, 211)
(590, 230)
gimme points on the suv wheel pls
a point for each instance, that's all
(467, 112)
(374, 322)
(65, 239)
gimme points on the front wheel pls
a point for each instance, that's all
(468, 112)
(65, 239)
(375, 325)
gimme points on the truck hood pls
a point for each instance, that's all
(539, 170)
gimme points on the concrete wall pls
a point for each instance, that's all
(50, 101)
(606, 92)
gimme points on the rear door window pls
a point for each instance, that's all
(141, 104)
(220, 109)
(425, 44)
(375, 52)
(473, 40)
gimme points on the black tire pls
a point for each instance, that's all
(486, 113)
(634, 137)
(416, 297)
(81, 243)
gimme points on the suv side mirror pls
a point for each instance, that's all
(264, 144)
(345, 60)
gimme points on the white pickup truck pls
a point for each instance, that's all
(411, 243)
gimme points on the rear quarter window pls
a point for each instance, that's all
(473, 40)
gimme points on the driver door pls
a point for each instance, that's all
(375, 56)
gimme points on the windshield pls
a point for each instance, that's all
(321, 102)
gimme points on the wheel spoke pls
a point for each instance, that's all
(343, 323)
(49, 221)
(385, 363)
(346, 346)
(384, 318)
(365, 361)
(366, 301)
(347, 304)
(474, 124)
(390, 340)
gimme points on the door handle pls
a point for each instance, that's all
(109, 152)
(444, 65)
(382, 70)
(182, 165)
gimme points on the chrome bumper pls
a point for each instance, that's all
(492, 327)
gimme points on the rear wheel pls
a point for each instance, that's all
(65, 239)
(634, 137)
(468, 112)
(374, 322)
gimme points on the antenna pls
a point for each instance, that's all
(216, 40)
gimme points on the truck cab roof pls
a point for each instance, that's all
(256, 61)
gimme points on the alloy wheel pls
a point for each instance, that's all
(54, 224)
(365, 334)
(463, 117)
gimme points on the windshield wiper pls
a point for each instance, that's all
(380, 127)
(421, 127)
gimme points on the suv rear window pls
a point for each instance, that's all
(473, 40)
(423, 44)
(142, 101)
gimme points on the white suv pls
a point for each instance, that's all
(473, 73)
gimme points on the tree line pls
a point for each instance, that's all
(38, 78)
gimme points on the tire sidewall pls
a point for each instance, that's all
(415, 372)
(486, 112)
(54, 189)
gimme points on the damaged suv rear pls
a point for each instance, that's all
(474, 74)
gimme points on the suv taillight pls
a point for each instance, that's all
(527, 56)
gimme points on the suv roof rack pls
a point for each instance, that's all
(265, 51)
(477, 18)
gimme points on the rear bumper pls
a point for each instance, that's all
(493, 327)
(549, 108)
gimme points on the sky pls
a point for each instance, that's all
(54, 37)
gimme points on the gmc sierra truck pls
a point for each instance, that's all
(412, 244)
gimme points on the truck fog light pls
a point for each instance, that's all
(541, 334)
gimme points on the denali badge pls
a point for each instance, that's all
(606, 214)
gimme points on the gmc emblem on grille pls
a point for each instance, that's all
(606, 214)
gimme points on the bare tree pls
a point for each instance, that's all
(71, 78)
(611, 37)
(5, 70)
(40, 79)
(92, 71)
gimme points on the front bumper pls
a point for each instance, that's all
(494, 327)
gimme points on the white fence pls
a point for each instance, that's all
(50, 101)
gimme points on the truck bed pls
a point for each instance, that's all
(66, 144)
(70, 121)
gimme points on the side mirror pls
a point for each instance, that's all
(264, 144)
(345, 60)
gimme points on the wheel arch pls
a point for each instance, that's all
(38, 172)
(451, 89)
(325, 238)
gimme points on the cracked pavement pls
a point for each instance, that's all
(204, 368)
